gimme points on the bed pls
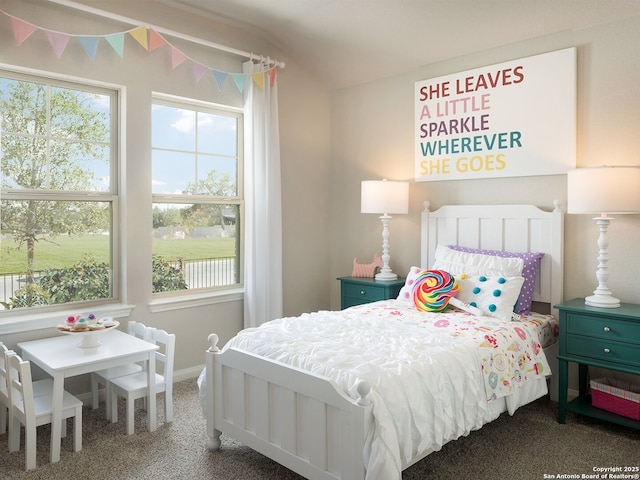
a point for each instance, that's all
(336, 395)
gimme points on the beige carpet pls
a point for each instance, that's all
(526, 446)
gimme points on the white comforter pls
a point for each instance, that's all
(429, 383)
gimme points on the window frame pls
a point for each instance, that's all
(166, 301)
(37, 317)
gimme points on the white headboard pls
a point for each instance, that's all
(514, 228)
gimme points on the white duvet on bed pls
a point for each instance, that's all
(434, 377)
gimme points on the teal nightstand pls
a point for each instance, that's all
(359, 290)
(600, 337)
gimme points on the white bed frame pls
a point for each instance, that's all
(303, 421)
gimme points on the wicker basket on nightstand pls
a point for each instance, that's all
(616, 396)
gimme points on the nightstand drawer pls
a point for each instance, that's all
(608, 351)
(606, 329)
(359, 290)
(364, 293)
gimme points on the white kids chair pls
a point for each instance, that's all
(4, 390)
(32, 411)
(40, 387)
(134, 386)
(102, 377)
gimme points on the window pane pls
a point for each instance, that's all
(54, 252)
(217, 134)
(54, 138)
(28, 102)
(24, 162)
(80, 169)
(194, 246)
(217, 176)
(173, 128)
(173, 172)
(78, 115)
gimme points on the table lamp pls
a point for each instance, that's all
(385, 197)
(602, 191)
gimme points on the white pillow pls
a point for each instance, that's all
(405, 295)
(495, 295)
(456, 262)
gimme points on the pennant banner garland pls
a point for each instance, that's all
(148, 39)
(155, 40)
(21, 30)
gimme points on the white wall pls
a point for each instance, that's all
(304, 112)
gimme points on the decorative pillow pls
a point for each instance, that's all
(495, 295)
(433, 289)
(531, 265)
(406, 292)
(455, 262)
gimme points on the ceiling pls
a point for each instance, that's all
(349, 42)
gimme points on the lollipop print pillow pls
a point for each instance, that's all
(433, 290)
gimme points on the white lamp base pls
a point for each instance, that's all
(385, 273)
(386, 276)
(602, 296)
(602, 301)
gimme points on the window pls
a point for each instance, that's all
(59, 194)
(197, 195)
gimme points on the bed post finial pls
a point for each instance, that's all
(557, 206)
(213, 343)
(426, 205)
(363, 388)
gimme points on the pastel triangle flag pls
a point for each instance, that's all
(258, 79)
(21, 30)
(199, 70)
(220, 78)
(272, 76)
(117, 42)
(90, 45)
(239, 79)
(177, 57)
(140, 35)
(58, 42)
(155, 40)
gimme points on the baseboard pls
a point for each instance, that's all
(178, 376)
(187, 373)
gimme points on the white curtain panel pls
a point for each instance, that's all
(263, 204)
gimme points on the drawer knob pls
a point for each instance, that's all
(606, 350)
(362, 292)
(607, 329)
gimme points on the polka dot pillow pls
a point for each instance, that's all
(406, 292)
(530, 268)
(495, 295)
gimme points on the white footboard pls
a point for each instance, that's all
(296, 418)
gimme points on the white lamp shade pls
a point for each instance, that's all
(384, 197)
(607, 189)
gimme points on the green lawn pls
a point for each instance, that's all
(64, 251)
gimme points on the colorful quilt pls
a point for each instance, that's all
(510, 352)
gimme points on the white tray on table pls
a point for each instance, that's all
(90, 339)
